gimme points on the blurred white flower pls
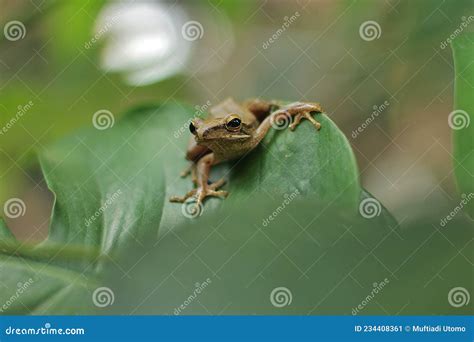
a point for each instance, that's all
(143, 40)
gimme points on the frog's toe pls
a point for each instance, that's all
(201, 193)
(211, 191)
(304, 115)
(296, 121)
(185, 172)
(218, 193)
(315, 123)
(216, 185)
(189, 170)
(182, 199)
(177, 199)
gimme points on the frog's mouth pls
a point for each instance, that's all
(223, 137)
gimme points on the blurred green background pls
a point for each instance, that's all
(79, 57)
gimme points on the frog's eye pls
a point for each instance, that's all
(233, 123)
(192, 128)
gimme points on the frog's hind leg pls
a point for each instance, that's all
(190, 170)
(187, 170)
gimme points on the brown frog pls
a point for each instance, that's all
(231, 131)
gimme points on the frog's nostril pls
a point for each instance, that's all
(192, 128)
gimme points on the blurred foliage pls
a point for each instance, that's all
(65, 83)
(464, 137)
(329, 262)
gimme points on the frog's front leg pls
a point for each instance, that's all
(298, 111)
(294, 111)
(203, 190)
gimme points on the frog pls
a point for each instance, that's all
(231, 131)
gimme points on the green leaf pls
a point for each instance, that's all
(232, 260)
(109, 185)
(316, 244)
(31, 284)
(313, 163)
(112, 178)
(33, 287)
(463, 116)
(112, 187)
(140, 158)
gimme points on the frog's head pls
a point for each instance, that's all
(230, 127)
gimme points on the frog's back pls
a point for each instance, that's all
(230, 106)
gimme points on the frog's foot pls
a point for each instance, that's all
(191, 169)
(307, 115)
(202, 192)
(299, 111)
(187, 170)
(211, 190)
